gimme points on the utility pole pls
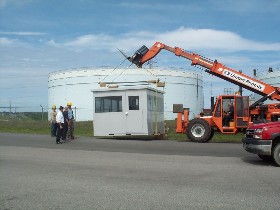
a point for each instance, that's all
(42, 111)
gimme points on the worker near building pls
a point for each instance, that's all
(71, 121)
(60, 122)
(66, 123)
(229, 115)
(53, 121)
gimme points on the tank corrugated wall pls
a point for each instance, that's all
(272, 78)
(181, 87)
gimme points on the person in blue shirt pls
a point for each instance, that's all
(71, 124)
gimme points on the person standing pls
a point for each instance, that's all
(60, 122)
(66, 123)
(53, 121)
(71, 121)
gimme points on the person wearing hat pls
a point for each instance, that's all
(71, 121)
(53, 121)
(59, 121)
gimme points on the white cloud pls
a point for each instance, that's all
(21, 59)
(22, 33)
(52, 43)
(211, 39)
(91, 41)
(187, 38)
(5, 41)
(227, 47)
(4, 3)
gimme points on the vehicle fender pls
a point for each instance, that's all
(209, 119)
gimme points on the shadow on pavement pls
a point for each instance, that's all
(257, 161)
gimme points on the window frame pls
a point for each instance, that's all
(106, 104)
(133, 103)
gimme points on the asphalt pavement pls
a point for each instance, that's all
(90, 173)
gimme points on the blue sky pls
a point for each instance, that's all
(38, 37)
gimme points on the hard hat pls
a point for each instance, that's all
(53, 106)
(69, 104)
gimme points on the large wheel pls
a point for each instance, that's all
(211, 135)
(276, 154)
(199, 130)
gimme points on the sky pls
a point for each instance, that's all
(38, 37)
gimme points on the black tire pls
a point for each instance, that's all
(211, 135)
(199, 130)
(276, 154)
(265, 158)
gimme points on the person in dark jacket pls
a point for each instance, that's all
(65, 124)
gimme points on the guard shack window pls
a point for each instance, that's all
(108, 104)
(133, 102)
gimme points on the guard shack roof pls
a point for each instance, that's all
(106, 89)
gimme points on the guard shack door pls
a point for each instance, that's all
(134, 112)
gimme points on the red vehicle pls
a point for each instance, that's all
(201, 129)
(264, 140)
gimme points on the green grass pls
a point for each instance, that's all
(33, 127)
(41, 127)
(86, 129)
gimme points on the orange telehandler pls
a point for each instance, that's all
(202, 128)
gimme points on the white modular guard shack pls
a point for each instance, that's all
(132, 111)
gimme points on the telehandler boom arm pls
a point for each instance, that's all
(144, 54)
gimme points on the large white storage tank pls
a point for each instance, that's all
(181, 87)
(271, 77)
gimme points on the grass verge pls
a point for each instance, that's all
(86, 129)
